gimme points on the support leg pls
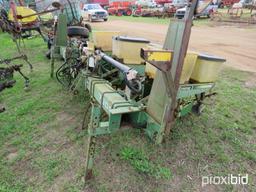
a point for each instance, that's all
(25, 57)
(87, 109)
(74, 87)
(90, 157)
(52, 64)
(41, 34)
(17, 45)
(90, 152)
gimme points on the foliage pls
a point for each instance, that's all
(142, 163)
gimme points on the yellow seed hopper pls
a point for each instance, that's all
(23, 11)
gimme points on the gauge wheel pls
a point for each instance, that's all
(198, 108)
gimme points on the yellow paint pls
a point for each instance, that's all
(91, 46)
(23, 11)
(189, 63)
(160, 56)
(103, 39)
(128, 52)
(206, 71)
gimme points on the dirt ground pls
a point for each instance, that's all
(237, 45)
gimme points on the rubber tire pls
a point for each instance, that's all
(105, 19)
(78, 31)
(4, 13)
(119, 13)
(128, 12)
(197, 109)
(88, 26)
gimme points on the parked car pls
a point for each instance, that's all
(180, 13)
(93, 12)
(146, 3)
(179, 3)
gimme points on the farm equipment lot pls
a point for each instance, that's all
(235, 43)
(42, 146)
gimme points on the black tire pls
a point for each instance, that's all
(221, 5)
(3, 13)
(78, 31)
(119, 13)
(88, 26)
(197, 109)
(106, 19)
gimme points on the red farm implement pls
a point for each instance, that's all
(120, 8)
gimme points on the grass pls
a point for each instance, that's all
(165, 21)
(42, 147)
(142, 163)
(155, 20)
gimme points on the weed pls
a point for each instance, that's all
(142, 163)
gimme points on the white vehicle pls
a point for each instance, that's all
(207, 11)
(146, 3)
(93, 12)
(179, 3)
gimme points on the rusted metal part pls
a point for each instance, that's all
(90, 157)
(6, 73)
(171, 106)
(155, 12)
(14, 12)
(55, 4)
(36, 14)
(161, 59)
(88, 175)
(171, 88)
(234, 15)
(166, 83)
(86, 114)
(185, 41)
(23, 56)
(20, 30)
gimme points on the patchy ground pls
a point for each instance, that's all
(236, 44)
(42, 146)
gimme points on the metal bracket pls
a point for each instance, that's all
(161, 59)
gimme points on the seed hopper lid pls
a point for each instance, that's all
(208, 57)
(131, 39)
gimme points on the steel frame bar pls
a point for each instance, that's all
(177, 39)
